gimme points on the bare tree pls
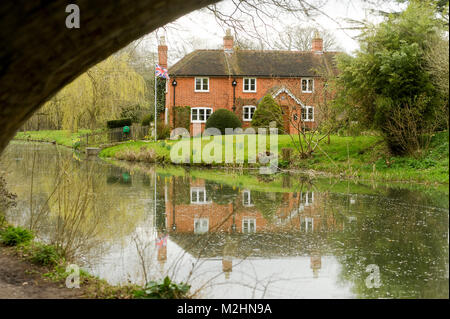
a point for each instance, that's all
(300, 38)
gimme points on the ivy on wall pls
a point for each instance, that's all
(183, 116)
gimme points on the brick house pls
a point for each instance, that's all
(235, 79)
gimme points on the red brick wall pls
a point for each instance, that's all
(220, 94)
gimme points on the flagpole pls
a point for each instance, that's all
(156, 113)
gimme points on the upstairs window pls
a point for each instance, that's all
(247, 112)
(201, 84)
(307, 85)
(249, 84)
(200, 114)
(308, 114)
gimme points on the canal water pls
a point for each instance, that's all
(233, 236)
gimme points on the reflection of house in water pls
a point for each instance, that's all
(209, 207)
(240, 223)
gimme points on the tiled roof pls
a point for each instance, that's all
(253, 63)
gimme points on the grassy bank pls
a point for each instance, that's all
(60, 137)
(360, 157)
(48, 263)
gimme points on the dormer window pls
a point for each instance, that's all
(307, 85)
(249, 85)
(201, 84)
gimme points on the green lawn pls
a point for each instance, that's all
(362, 157)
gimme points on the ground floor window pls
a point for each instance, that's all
(200, 114)
(248, 112)
(308, 113)
(248, 225)
(201, 225)
(307, 224)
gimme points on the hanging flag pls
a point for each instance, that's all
(161, 72)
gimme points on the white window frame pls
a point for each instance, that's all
(249, 221)
(201, 230)
(307, 221)
(198, 114)
(247, 198)
(202, 89)
(311, 90)
(307, 119)
(307, 198)
(199, 201)
(249, 85)
(243, 112)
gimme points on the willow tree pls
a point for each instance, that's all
(98, 95)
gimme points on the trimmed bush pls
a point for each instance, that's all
(267, 111)
(147, 120)
(118, 123)
(13, 236)
(222, 119)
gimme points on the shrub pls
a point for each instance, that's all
(182, 117)
(146, 155)
(163, 130)
(147, 120)
(222, 119)
(119, 123)
(13, 236)
(45, 255)
(126, 154)
(267, 111)
(165, 289)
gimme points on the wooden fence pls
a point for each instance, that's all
(96, 139)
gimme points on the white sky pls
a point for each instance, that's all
(200, 30)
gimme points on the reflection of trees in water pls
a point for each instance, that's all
(73, 205)
(409, 245)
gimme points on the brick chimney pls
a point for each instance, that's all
(317, 43)
(162, 52)
(228, 41)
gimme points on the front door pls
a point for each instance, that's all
(285, 110)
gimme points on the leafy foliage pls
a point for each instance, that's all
(222, 119)
(182, 117)
(45, 255)
(267, 111)
(387, 74)
(13, 236)
(103, 92)
(147, 120)
(165, 289)
(163, 130)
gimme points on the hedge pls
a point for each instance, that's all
(118, 123)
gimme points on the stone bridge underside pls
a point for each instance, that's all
(39, 55)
